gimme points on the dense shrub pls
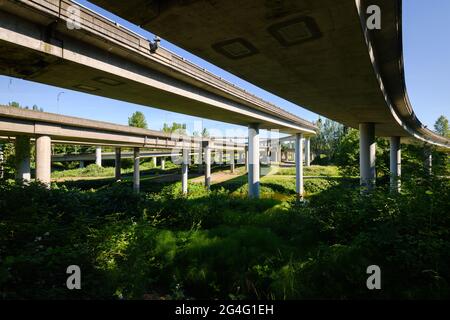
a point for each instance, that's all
(218, 244)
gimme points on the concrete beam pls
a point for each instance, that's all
(72, 130)
(136, 173)
(299, 165)
(395, 164)
(163, 163)
(124, 58)
(98, 156)
(118, 173)
(253, 161)
(43, 160)
(184, 171)
(155, 162)
(23, 171)
(367, 154)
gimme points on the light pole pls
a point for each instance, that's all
(58, 97)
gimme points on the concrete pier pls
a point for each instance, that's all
(253, 161)
(367, 155)
(207, 150)
(23, 154)
(43, 160)
(118, 161)
(299, 165)
(184, 171)
(136, 172)
(98, 156)
(307, 152)
(395, 164)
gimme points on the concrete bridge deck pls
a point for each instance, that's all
(105, 59)
(318, 54)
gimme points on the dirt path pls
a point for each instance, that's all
(218, 177)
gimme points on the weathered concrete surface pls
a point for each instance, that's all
(299, 189)
(105, 59)
(253, 161)
(43, 159)
(317, 54)
(367, 155)
(16, 121)
(23, 158)
(395, 163)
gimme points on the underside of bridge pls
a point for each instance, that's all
(35, 47)
(313, 53)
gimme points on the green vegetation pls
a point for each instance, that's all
(93, 170)
(441, 126)
(179, 128)
(219, 244)
(137, 120)
(313, 171)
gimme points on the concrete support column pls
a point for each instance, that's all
(246, 158)
(232, 161)
(395, 164)
(207, 150)
(307, 152)
(163, 163)
(23, 171)
(274, 155)
(2, 159)
(155, 162)
(118, 161)
(240, 157)
(199, 161)
(367, 149)
(299, 165)
(81, 164)
(136, 173)
(428, 163)
(98, 156)
(253, 161)
(43, 159)
(184, 171)
(220, 157)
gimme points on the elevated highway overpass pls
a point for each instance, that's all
(317, 54)
(41, 42)
(23, 126)
(47, 128)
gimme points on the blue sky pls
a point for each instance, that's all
(427, 66)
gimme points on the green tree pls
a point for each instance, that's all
(137, 120)
(14, 104)
(175, 128)
(441, 126)
(325, 143)
(347, 153)
(204, 133)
